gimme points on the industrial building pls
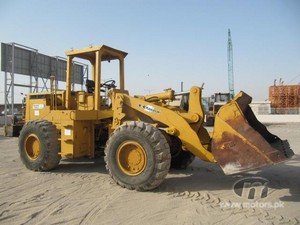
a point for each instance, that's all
(285, 99)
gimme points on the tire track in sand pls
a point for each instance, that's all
(100, 205)
(209, 200)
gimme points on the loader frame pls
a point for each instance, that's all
(141, 136)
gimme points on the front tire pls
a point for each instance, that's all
(137, 156)
(39, 145)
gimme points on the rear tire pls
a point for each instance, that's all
(39, 146)
(137, 156)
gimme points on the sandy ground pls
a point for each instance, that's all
(81, 192)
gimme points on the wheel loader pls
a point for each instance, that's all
(141, 137)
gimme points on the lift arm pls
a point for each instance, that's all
(172, 122)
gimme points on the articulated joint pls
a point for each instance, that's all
(194, 90)
(195, 118)
(190, 117)
(171, 130)
(118, 111)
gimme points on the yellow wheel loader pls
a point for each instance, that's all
(141, 136)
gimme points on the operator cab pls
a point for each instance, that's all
(95, 55)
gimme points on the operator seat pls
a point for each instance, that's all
(90, 86)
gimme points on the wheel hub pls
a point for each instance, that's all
(32, 147)
(131, 158)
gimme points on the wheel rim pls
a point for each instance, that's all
(131, 158)
(32, 147)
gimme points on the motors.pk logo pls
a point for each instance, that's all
(253, 190)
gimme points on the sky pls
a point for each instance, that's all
(168, 41)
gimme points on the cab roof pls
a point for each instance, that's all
(107, 53)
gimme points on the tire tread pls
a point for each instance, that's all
(161, 151)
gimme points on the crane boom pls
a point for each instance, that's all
(230, 66)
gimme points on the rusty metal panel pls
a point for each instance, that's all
(241, 143)
(284, 96)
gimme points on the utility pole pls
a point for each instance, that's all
(230, 66)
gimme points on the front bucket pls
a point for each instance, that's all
(241, 143)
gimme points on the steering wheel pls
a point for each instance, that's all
(109, 84)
